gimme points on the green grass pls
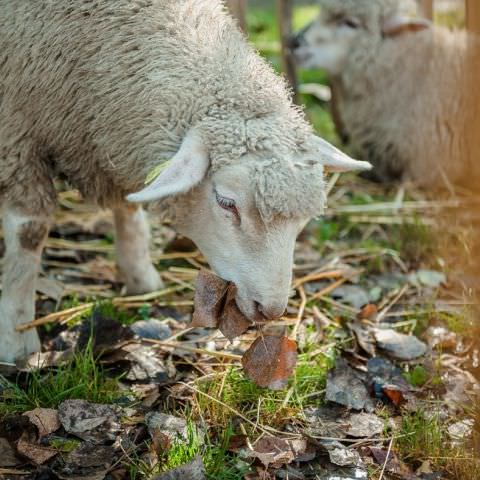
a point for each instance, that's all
(424, 437)
(81, 378)
(272, 408)
(219, 464)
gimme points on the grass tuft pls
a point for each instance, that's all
(82, 378)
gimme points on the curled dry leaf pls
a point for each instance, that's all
(215, 306)
(270, 361)
(232, 321)
(209, 295)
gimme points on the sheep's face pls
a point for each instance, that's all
(222, 218)
(245, 216)
(327, 42)
(344, 28)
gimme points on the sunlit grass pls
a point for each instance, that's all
(81, 378)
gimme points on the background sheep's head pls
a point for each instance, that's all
(246, 215)
(346, 27)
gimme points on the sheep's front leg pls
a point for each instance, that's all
(24, 236)
(132, 247)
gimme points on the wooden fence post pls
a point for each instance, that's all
(426, 8)
(473, 15)
(238, 8)
(285, 16)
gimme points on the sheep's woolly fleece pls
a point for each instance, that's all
(409, 103)
(106, 91)
(370, 11)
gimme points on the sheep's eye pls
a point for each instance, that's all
(349, 22)
(227, 204)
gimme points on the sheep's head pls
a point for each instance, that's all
(246, 215)
(345, 27)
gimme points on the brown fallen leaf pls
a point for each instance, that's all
(368, 312)
(275, 452)
(270, 361)
(36, 453)
(45, 419)
(7, 454)
(232, 321)
(209, 294)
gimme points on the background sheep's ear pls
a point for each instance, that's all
(183, 172)
(398, 24)
(336, 161)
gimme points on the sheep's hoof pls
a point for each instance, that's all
(148, 281)
(16, 345)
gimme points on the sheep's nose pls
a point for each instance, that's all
(270, 311)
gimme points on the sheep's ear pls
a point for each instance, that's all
(183, 172)
(399, 24)
(336, 161)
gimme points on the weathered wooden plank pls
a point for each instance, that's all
(238, 8)
(473, 15)
(285, 16)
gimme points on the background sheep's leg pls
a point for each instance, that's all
(133, 255)
(25, 235)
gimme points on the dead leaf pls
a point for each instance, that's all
(275, 452)
(398, 345)
(195, 470)
(440, 338)
(232, 321)
(365, 425)
(36, 453)
(391, 462)
(166, 430)
(146, 364)
(326, 421)
(39, 360)
(153, 329)
(45, 419)
(87, 462)
(7, 455)
(344, 457)
(368, 312)
(346, 388)
(364, 337)
(387, 382)
(209, 293)
(270, 361)
(89, 421)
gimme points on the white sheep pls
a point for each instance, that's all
(101, 93)
(406, 90)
